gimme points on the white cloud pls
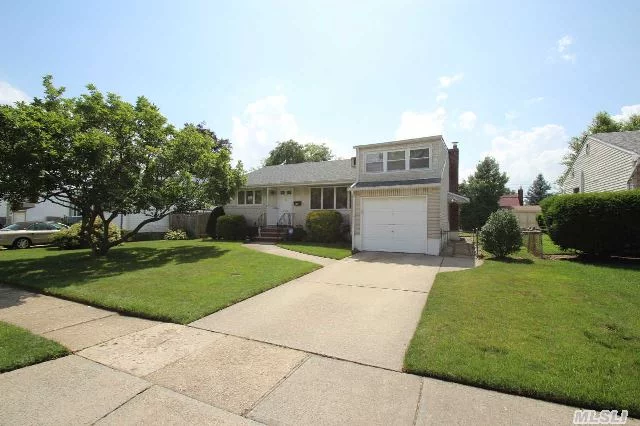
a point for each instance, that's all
(442, 96)
(417, 124)
(266, 122)
(447, 80)
(524, 154)
(627, 111)
(10, 94)
(563, 47)
(564, 43)
(535, 100)
(510, 115)
(467, 120)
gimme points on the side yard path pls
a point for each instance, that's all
(129, 370)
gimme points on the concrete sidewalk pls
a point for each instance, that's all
(279, 251)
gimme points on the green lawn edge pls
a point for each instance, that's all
(330, 251)
(606, 401)
(20, 348)
(299, 268)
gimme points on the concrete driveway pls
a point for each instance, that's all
(363, 309)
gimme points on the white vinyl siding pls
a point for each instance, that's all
(604, 168)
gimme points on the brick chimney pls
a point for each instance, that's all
(521, 196)
(454, 165)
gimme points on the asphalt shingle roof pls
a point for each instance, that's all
(625, 140)
(322, 172)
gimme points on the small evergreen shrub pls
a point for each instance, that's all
(501, 235)
(540, 221)
(596, 223)
(176, 234)
(324, 226)
(298, 234)
(231, 227)
(69, 238)
(213, 220)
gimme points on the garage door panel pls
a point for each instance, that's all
(394, 224)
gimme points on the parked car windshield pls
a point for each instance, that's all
(56, 225)
(16, 227)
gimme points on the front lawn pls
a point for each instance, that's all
(551, 329)
(177, 281)
(19, 348)
(332, 251)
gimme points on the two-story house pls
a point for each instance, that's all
(398, 196)
(606, 162)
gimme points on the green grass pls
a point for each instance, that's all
(559, 330)
(19, 348)
(177, 281)
(549, 247)
(332, 251)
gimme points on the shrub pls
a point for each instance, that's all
(298, 234)
(501, 235)
(601, 224)
(213, 219)
(231, 227)
(70, 238)
(176, 234)
(540, 221)
(324, 226)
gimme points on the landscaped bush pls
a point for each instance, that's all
(70, 238)
(176, 234)
(298, 234)
(324, 226)
(231, 227)
(600, 224)
(501, 235)
(213, 219)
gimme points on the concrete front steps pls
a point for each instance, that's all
(271, 234)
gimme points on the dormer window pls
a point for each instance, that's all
(375, 162)
(396, 160)
(419, 158)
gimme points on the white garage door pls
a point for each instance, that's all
(394, 224)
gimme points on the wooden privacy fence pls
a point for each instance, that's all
(194, 224)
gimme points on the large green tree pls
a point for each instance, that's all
(601, 123)
(483, 189)
(292, 152)
(538, 191)
(105, 157)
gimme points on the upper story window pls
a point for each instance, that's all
(419, 158)
(374, 162)
(396, 160)
(250, 197)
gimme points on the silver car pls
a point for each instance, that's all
(23, 235)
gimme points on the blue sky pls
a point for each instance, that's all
(510, 80)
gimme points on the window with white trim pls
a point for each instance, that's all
(396, 160)
(374, 162)
(329, 198)
(252, 197)
(419, 158)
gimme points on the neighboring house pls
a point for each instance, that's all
(397, 196)
(606, 162)
(49, 211)
(526, 215)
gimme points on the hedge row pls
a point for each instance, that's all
(600, 224)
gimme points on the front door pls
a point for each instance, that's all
(285, 201)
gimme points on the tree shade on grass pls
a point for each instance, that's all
(19, 348)
(177, 281)
(330, 250)
(559, 330)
